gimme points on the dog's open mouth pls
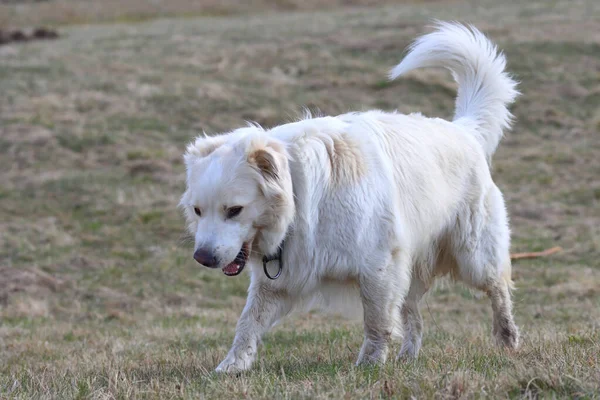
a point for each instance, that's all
(234, 268)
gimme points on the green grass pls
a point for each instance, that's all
(99, 294)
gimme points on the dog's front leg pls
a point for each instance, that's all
(264, 307)
(377, 303)
(382, 290)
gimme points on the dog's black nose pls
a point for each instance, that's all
(206, 258)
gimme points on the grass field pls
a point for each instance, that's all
(100, 297)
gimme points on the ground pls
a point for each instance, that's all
(99, 294)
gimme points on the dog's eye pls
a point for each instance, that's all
(234, 211)
(197, 211)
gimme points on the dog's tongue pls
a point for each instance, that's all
(231, 269)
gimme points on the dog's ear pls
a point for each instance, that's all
(268, 157)
(265, 162)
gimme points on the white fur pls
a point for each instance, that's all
(372, 205)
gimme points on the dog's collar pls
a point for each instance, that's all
(275, 257)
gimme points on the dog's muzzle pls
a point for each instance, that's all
(237, 265)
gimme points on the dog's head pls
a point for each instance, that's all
(238, 198)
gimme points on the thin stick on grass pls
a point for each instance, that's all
(535, 254)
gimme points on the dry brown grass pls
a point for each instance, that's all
(99, 297)
(60, 12)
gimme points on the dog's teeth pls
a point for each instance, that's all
(232, 269)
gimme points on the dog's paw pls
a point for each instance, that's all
(507, 336)
(408, 351)
(372, 353)
(234, 364)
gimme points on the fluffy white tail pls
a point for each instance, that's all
(484, 88)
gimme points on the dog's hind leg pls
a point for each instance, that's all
(412, 320)
(264, 307)
(497, 287)
(382, 291)
(498, 290)
(483, 262)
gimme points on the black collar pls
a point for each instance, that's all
(275, 257)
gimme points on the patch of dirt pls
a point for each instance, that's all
(20, 35)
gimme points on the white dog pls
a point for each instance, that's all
(370, 204)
